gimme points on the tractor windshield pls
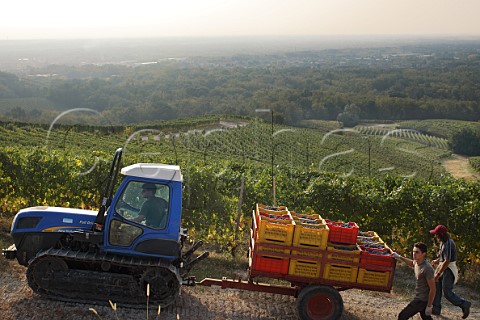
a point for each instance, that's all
(145, 203)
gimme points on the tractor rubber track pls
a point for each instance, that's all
(93, 277)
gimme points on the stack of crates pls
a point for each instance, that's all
(288, 243)
(375, 259)
(343, 262)
(273, 236)
(309, 240)
(344, 254)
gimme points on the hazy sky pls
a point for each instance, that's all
(33, 19)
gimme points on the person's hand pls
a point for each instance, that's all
(428, 310)
(395, 255)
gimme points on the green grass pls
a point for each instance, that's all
(219, 265)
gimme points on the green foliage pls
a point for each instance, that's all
(38, 177)
(350, 115)
(322, 125)
(401, 207)
(466, 142)
(475, 163)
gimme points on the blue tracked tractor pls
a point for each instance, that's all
(133, 240)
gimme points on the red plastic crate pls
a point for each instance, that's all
(270, 263)
(340, 234)
(378, 257)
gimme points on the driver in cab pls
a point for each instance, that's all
(154, 209)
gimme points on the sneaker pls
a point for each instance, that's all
(466, 309)
(436, 312)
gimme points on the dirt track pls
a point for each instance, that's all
(18, 302)
(459, 167)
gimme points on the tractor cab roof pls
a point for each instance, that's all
(154, 171)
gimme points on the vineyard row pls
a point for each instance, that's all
(401, 210)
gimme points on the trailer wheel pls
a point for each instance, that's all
(319, 303)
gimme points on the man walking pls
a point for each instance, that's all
(424, 286)
(446, 273)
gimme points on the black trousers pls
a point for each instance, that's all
(414, 307)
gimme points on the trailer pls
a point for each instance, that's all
(315, 277)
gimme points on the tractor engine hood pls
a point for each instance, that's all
(52, 219)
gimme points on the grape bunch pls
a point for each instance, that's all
(306, 216)
(365, 239)
(374, 245)
(342, 225)
(308, 221)
(275, 216)
(378, 252)
(271, 208)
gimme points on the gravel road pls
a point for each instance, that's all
(17, 301)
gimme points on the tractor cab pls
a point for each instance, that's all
(145, 214)
(141, 219)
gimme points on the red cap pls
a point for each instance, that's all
(440, 229)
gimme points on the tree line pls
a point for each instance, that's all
(301, 87)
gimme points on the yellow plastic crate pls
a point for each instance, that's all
(368, 234)
(373, 277)
(374, 244)
(363, 240)
(310, 235)
(304, 268)
(305, 216)
(268, 209)
(275, 231)
(352, 252)
(340, 273)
